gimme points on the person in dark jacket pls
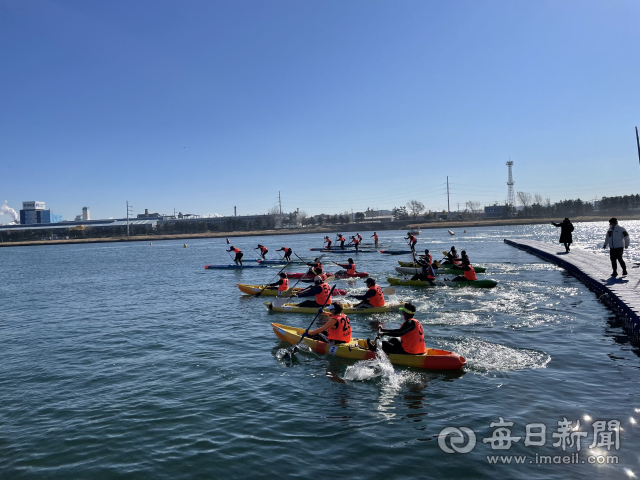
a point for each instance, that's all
(566, 227)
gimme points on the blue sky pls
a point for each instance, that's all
(204, 105)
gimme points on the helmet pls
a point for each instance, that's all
(317, 279)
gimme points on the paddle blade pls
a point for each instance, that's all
(445, 253)
(279, 302)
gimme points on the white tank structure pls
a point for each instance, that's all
(85, 214)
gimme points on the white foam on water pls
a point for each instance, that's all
(379, 367)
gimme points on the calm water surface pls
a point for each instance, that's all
(132, 361)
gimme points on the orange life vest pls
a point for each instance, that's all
(375, 237)
(284, 286)
(341, 238)
(263, 249)
(323, 297)
(352, 269)
(412, 239)
(341, 330)
(413, 342)
(236, 250)
(470, 274)
(318, 268)
(429, 258)
(378, 299)
(287, 251)
(359, 237)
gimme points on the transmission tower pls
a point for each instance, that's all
(511, 199)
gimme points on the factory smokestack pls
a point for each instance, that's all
(6, 210)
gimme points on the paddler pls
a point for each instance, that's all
(373, 297)
(238, 253)
(427, 274)
(427, 257)
(282, 284)
(412, 241)
(359, 237)
(355, 242)
(327, 240)
(375, 238)
(287, 253)
(263, 251)
(341, 239)
(315, 267)
(469, 272)
(409, 338)
(320, 289)
(349, 269)
(336, 330)
(452, 255)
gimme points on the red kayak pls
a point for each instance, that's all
(308, 276)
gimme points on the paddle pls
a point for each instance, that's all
(267, 284)
(234, 261)
(293, 350)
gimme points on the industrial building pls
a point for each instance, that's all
(35, 213)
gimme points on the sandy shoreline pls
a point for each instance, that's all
(312, 230)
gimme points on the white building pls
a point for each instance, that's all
(85, 214)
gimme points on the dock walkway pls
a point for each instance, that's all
(621, 294)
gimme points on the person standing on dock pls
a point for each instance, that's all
(375, 238)
(327, 240)
(287, 253)
(617, 239)
(239, 254)
(340, 239)
(566, 227)
(263, 251)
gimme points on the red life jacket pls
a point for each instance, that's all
(429, 258)
(470, 274)
(263, 249)
(318, 267)
(378, 299)
(359, 237)
(352, 269)
(341, 330)
(413, 342)
(412, 239)
(287, 251)
(236, 250)
(375, 237)
(284, 286)
(324, 297)
(341, 238)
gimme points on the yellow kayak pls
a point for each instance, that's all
(347, 308)
(273, 291)
(433, 358)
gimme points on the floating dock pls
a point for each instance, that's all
(621, 294)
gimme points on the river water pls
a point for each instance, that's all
(132, 361)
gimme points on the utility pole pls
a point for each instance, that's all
(128, 210)
(448, 207)
(638, 142)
